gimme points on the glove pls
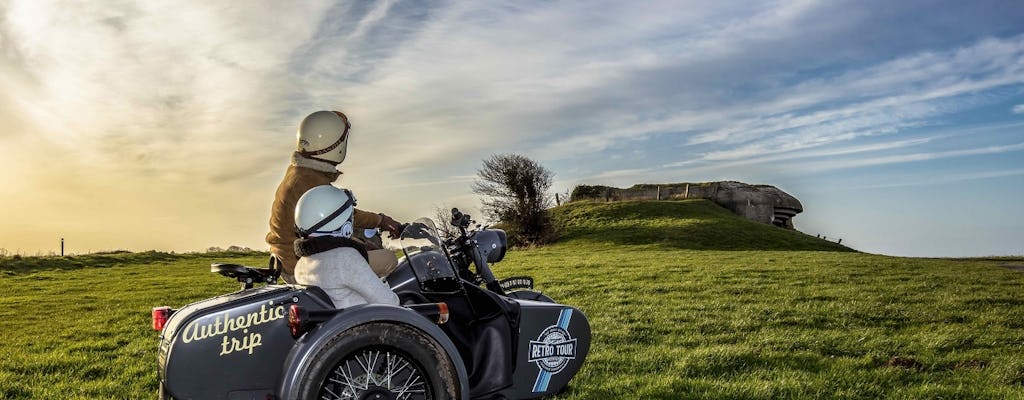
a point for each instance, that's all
(390, 225)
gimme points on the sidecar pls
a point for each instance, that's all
(451, 339)
(241, 346)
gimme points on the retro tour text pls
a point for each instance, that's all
(541, 350)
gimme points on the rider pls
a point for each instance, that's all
(322, 144)
(329, 258)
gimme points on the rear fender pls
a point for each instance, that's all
(299, 359)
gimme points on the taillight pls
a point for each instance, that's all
(301, 320)
(296, 316)
(160, 316)
(442, 315)
(436, 312)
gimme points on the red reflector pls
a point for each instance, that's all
(442, 313)
(160, 315)
(295, 320)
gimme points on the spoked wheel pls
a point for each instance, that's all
(381, 361)
(376, 374)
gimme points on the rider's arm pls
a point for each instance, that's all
(365, 219)
(368, 220)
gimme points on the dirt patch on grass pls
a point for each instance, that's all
(903, 362)
(971, 364)
(1014, 266)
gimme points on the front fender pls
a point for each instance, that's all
(298, 361)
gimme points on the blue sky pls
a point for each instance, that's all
(899, 125)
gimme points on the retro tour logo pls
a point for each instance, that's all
(552, 350)
(226, 326)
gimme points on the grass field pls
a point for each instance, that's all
(685, 300)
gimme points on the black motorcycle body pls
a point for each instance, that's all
(497, 344)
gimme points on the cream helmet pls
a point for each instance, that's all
(325, 210)
(323, 136)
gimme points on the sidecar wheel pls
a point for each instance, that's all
(162, 394)
(381, 361)
(527, 294)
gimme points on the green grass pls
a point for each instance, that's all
(673, 316)
(84, 332)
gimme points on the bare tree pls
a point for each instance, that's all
(516, 195)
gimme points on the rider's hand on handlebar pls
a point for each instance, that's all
(391, 226)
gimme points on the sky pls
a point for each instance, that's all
(143, 125)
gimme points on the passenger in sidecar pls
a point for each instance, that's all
(328, 257)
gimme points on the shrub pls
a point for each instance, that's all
(516, 195)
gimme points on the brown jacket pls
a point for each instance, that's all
(303, 174)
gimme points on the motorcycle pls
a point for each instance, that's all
(458, 334)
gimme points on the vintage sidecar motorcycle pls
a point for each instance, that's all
(459, 334)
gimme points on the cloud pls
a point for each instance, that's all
(559, 81)
(1018, 109)
(877, 100)
(804, 154)
(200, 100)
(150, 86)
(140, 116)
(941, 180)
(911, 157)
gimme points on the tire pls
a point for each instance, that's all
(381, 361)
(527, 294)
(162, 393)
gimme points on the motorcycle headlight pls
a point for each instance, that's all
(492, 244)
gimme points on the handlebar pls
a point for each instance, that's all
(460, 220)
(466, 246)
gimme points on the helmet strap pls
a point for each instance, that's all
(304, 154)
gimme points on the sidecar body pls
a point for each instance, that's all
(240, 345)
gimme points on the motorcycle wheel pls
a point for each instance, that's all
(381, 361)
(527, 294)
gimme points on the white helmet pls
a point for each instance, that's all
(325, 210)
(323, 136)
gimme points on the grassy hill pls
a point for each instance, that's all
(687, 224)
(685, 301)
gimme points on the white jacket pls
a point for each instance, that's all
(344, 274)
